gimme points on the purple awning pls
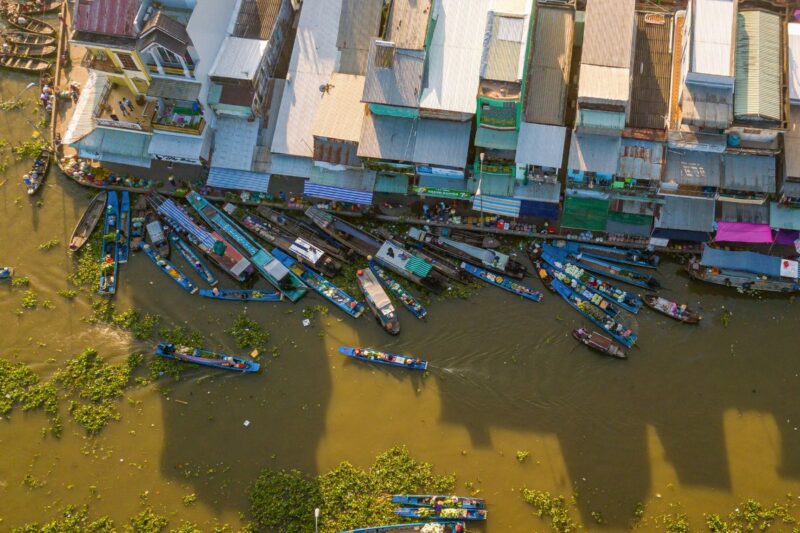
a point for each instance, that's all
(743, 232)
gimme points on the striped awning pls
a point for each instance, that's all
(337, 193)
(240, 180)
(495, 204)
(180, 219)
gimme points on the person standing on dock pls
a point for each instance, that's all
(128, 103)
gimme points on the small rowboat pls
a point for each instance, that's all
(502, 282)
(675, 311)
(124, 246)
(31, 50)
(431, 500)
(27, 23)
(438, 527)
(206, 358)
(384, 358)
(242, 295)
(446, 513)
(88, 222)
(599, 343)
(170, 270)
(108, 251)
(378, 301)
(38, 172)
(41, 6)
(22, 37)
(197, 264)
(23, 64)
(6, 273)
(397, 290)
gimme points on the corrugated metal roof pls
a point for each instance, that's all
(604, 85)
(442, 142)
(184, 146)
(752, 173)
(608, 34)
(689, 213)
(589, 119)
(408, 23)
(341, 112)
(548, 73)
(359, 23)
(357, 180)
(641, 160)
(504, 42)
(782, 217)
(391, 183)
(243, 180)
(234, 142)
(496, 139)
(238, 58)
(707, 107)
(389, 138)
(394, 75)
(794, 62)
(454, 56)
(256, 18)
(750, 213)
(791, 144)
(82, 122)
(116, 146)
(541, 191)
(652, 67)
(106, 17)
(757, 90)
(541, 145)
(712, 24)
(594, 153)
(693, 168)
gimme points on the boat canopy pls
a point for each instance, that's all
(375, 291)
(394, 254)
(767, 265)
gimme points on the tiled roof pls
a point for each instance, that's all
(394, 75)
(608, 34)
(757, 89)
(106, 17)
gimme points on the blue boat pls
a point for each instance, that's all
(431, 500)
(623, 256)
(206, 358)
(188, 254)
(444, 513)
(503, 282)
(620, 332)
(406, 298)
(124, 239)
(6, 272)
(320, 285)
(242, 295)
(169, 269)
(605, 269)
(441, 527)
(599, 300)
(384, 358)
(626, 300)
(109, 265)
(268, 266)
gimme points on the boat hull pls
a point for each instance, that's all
(406, 298)
(234, 364)
(108, 250)
(569, 296)
(429, 514)
(124, 241)
(666, 308)
(197, 264)
(742, 280)
(384, 358)
(598, 343)
(430, 500)
(605, 269)
(502, 282)
(385, 314)
(170, 270)
(85, 226)
(242, 295)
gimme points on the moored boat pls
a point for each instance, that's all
(745, 270)
(395, 257)
(23, 37)
(30, 50)
(398, 291)
(320, 285)
(36, 176)
(431, 500)
(108, 250)
(445, 513)
(156, 236)
(206, 358)
(384, 358)
(40, 6)
(598, 343)
(606, 269)
(623, 256)
(124, 240)
(420, 527)
(599, 300)
(242, 295)
(358, 240)
(505, 283)
(138, 218)
(194, 260)
(29, 24)
(679, 312)
(307, 232)
(469, 237)
(378, 301)
(170, 269)
(6, 273)
(85, 226)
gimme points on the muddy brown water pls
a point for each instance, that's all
(700, 417)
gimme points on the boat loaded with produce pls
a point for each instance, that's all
(419, 527)
(124, 240)
(38, 172)
(168, 268)
(242, 295)
(384, 358)
(606, 269)
(605, 305)
(408, 300)
(206, 358)
(505, 283)
(432, 500)
(108, 250)
(194, 260)
(441, 513)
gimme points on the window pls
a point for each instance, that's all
(384, 56)
(127, 61)
(167, 57)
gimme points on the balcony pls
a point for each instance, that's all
(179, 117)
(108, 112)
(497, 167)
(103, 64)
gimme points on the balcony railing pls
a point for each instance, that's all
(92, 62)
(178, 127)
(496, 168)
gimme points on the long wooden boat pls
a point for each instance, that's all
(22, 37)
(489, 259)
(745, 270)
(505, 283)
(302, 250)
(6, 273)
(606, 269)
(40, 6)
(442, 263)
(267, 265)
(358, 240)
(469, 237)
(320, 285)
(384, 358)
(617, 330)
(108, 251)
(626, 300)
(38, 172)
(124, 241)
(170, 269)
(398, 291)
(378, 301)
(27, 23)
(206, 358)
(138, 219)
(605, 305)
(679, 312)
(31, 50)
(623, 256)
(598, 343)
(307, 232)
(193, 259)
(156, 236)
(395, 257)
(242, 295)
(445, 513)
(432, 500)
(212, 244)
(85, 226)
(419, 527)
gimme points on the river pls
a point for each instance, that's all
(700, 417)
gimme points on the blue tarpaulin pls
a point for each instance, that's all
(681, 235)
(240, 180)
(532, 208)
(337, 193)
(768, 265)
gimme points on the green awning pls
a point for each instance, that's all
(497, 139)
(419, 266)
(497, 185)
(585, 213)
(392, 183)
(631, 218)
